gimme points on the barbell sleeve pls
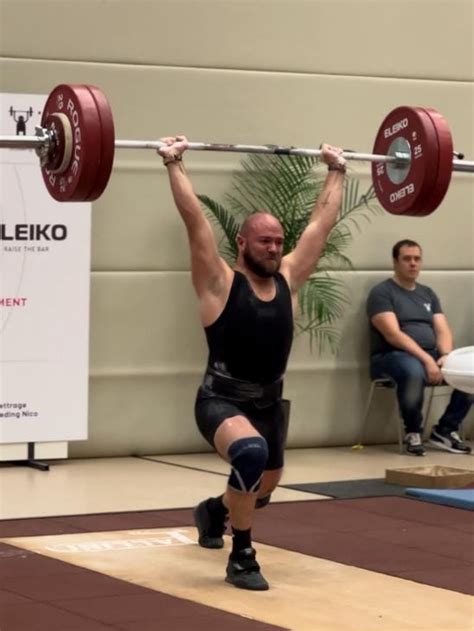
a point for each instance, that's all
(22, 142)
(463, 165)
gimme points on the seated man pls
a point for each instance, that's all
(410, 338)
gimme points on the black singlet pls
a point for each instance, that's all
(252, 338)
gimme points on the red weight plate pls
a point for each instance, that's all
(431, 158)
(107, 144)
(413, 127)
(76, 102)
(445, 162)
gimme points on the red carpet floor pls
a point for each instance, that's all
(422, 542)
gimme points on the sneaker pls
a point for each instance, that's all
(210, 534)
(243, 571)
(449, 442)
(413, 444)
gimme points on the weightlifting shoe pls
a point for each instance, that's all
(210, 532)
(243, 571)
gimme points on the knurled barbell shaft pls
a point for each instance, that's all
(37, 142)
(269, 149)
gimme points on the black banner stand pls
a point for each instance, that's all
(31, 461)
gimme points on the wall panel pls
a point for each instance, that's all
(148, 355)
(393, 38)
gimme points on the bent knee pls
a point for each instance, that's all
(248, 457)
(413, 369)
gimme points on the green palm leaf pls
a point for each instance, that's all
(357, 206)
(322, 299)
(321, 337)
(226, 222)
(283, 186)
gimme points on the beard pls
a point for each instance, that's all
(259, 268)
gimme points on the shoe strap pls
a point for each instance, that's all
(246, 565)
(245, 561)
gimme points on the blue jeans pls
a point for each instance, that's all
(409, 375)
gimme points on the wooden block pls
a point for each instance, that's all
(430, 477)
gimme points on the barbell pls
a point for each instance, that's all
(412, 159)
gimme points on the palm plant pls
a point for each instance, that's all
(287, 186)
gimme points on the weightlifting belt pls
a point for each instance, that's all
(243, 390)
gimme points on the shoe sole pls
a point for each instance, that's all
(444, 447)
(263, 587)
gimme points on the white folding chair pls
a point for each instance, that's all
(386, 383)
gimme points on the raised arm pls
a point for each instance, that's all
(302, 260)
(210, 272)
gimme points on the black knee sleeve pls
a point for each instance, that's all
(248, 457)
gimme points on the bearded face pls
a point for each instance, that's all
(263, 265)
(261, 244)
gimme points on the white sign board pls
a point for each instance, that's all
(44, 294)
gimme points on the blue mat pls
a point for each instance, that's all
(459, 498)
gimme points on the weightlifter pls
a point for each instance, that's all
(247, 315)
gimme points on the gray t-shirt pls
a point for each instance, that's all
(414, 310)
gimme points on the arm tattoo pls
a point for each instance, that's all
(325, 202)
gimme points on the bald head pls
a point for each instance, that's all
(258, 223)
(260, 243)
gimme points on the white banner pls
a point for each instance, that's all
(44, 294)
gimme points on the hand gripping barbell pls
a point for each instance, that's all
(412, 159)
